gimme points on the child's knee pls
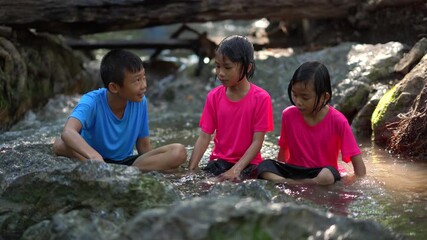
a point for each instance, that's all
(183, 153)
(180, 153)
(325, 177)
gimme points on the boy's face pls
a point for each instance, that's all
(134, 86)
(228, 72)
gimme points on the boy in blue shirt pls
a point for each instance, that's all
(109, 122)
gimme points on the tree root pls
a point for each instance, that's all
(410, 133)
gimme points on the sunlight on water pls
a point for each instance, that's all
(401, 175)
(394, 192)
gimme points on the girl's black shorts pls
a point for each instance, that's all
(220, 166)
(292, 171)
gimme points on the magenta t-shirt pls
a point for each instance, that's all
(234, 123)
(318, 145)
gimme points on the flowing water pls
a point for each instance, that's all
(394, 192)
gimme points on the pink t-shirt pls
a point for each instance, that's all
(235, 123)
(318, 145)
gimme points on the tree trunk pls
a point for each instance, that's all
(79, 17)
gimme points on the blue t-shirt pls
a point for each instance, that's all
(110, 136)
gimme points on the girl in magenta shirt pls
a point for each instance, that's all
(238, 112)
(313, 133)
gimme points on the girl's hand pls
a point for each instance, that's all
(348, 179)
(193, 169)
(230, 175)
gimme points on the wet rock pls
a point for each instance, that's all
(35, 194)
(53, 196)
(368, 66)
(162, 80)
(359, 74)
(36, 67)
(410, 59)
(256, 189)
(396, 101)
(25, 159)
(361, 124)
(356, 70)
(246, 218)
(354, 99)
(410, 133)
(77, 224)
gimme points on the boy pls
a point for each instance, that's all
(107, 123)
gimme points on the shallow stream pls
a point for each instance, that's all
(394, 192)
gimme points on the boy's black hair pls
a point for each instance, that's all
(317, 73)
(115, 63)
(239, 50)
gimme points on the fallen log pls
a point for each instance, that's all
(202, 46)
(80, 17)
(134, 44)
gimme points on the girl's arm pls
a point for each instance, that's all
(359, 170)
(234, 172)
(200, 147)
(283, 155)
(358, 165)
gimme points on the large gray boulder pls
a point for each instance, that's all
(35, 195)
(247, 218)
(397, 102)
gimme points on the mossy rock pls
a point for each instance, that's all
(380, 111)
(393, 103)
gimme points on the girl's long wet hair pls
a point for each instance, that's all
(316, 73)
(239, 50)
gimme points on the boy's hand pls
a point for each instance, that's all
(96, 157)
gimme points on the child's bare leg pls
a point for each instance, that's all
(325, 177)
(162, 158)
(273, 177)
(61, 149)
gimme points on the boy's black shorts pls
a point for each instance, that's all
(291, 171)
(220, 166)
(127, 161)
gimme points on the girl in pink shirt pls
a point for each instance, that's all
(238, 112)
(313, 133)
